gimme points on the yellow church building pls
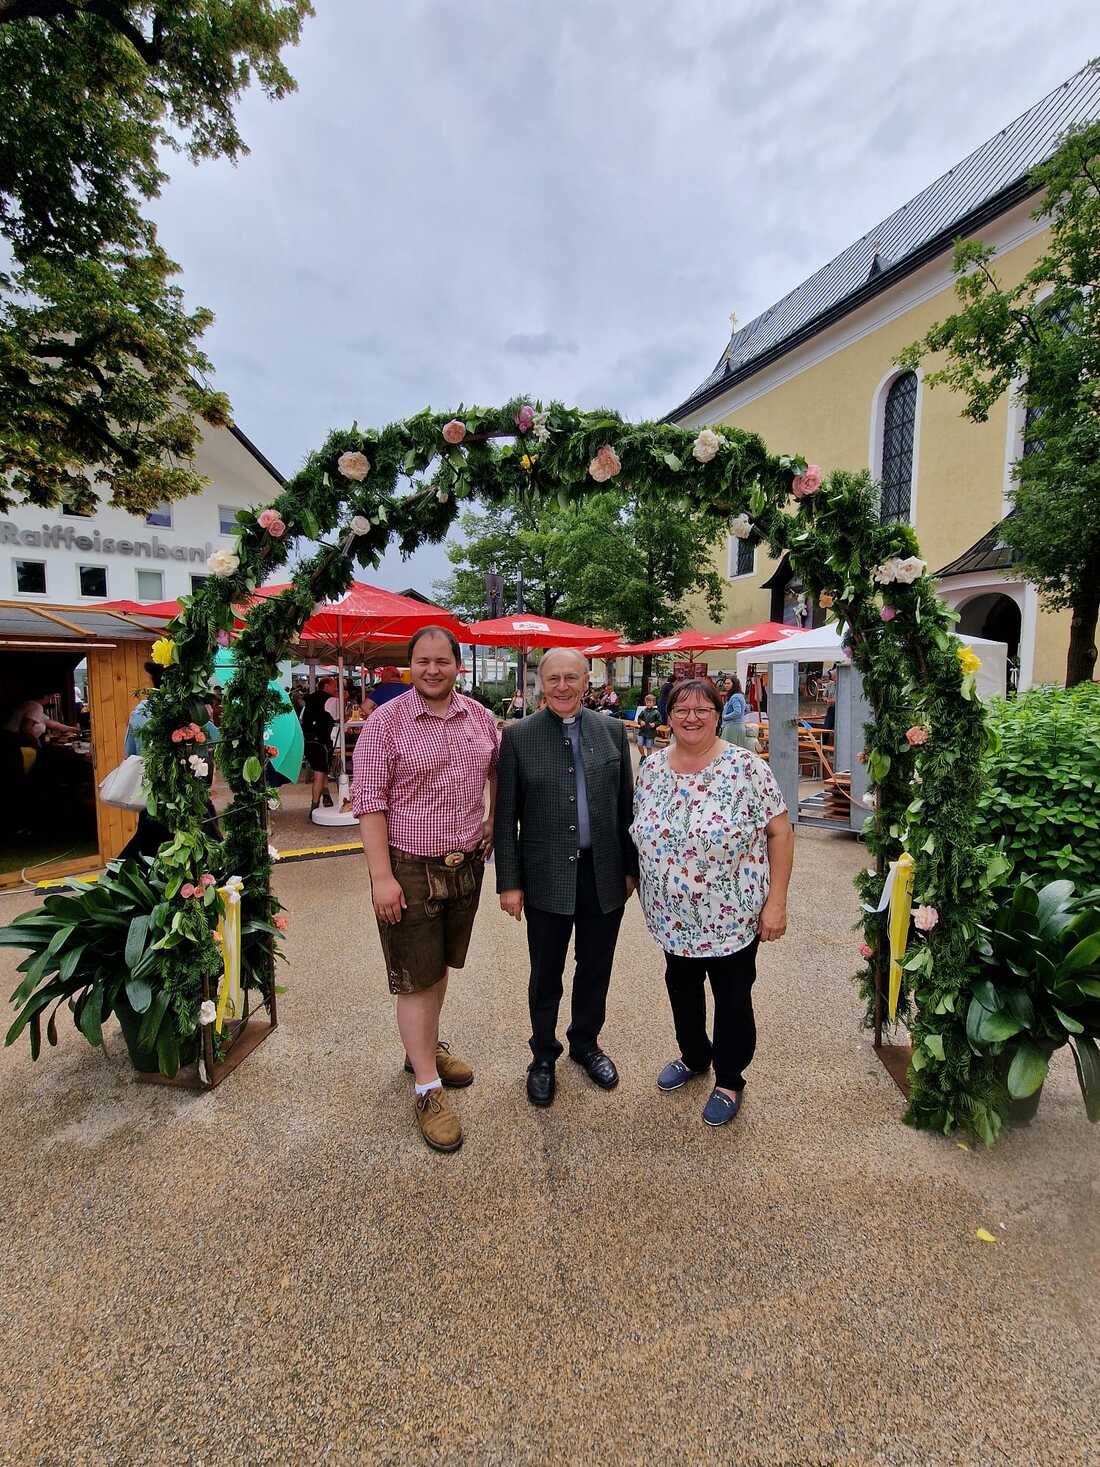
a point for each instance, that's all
(815, 374)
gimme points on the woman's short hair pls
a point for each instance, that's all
(694, 685)
(436, 632)
(154, 672)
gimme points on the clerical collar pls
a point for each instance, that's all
(571, 719)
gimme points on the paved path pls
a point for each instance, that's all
(280, 1272)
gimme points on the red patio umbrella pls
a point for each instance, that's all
(526, 630)
(754, 636)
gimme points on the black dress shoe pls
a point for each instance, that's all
(540, 1083)
(599, 1067)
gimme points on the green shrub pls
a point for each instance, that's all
(1043, 793)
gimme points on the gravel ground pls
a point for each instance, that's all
(281, 1272)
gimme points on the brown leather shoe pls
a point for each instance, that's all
(456, 1074)
(438, 1123)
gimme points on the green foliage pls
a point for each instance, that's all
(1041, 951)
(612, 560)
(1045, 333)
(1040, 796)
(100, 367)
(126, 945)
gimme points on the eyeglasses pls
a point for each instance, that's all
(685, 712)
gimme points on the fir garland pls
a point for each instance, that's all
(926, 783)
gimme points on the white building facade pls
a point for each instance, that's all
(58, 556)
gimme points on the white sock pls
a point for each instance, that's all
(436, 1084)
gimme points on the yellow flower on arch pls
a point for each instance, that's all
(528, 461)
(164, 651)
(969, 661)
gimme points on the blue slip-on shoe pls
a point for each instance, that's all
(676, 1073)
(720, 1109)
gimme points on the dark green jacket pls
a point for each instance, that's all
(536, 813)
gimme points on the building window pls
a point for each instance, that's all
(30, 577)
(93, 580)
(160, 518)
(150, 585)
(227, 519)
(899, 421)
(742, 557)
(197, 581)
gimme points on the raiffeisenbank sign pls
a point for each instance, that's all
(68, 537)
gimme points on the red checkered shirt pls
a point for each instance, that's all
(426, 773)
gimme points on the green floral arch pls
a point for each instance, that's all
(928, 732)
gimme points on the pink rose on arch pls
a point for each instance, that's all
(223, 639)
(266, 518)
(454, 431)
(806, 483)
(925, 918)
(605, 465)
(888, 613)
(916, 735)
(187, 890)
(206, 879)
(525, 418)
(865, 951)
(178, 735)
(277, 528)
(282, 922)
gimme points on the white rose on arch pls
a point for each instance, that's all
(207, 1012)
(223, 563)
(359, 525)
(741, 527)
(354, 466)
(909, 570)
(886, 573)
(706, 446)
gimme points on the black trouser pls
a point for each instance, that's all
(731, 980)
(548, 941)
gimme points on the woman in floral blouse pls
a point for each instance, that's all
(715, 849)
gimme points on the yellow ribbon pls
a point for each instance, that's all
(901, 903)
(229, 930)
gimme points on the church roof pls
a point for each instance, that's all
(984, 185)
(988, 553)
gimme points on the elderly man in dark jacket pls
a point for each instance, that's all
(564, 857)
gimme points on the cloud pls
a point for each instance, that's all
(455, 207)
(540, 344)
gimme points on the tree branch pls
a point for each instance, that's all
(151, 52)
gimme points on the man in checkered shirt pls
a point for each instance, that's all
(420, 772)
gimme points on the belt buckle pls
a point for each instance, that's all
(454, 858)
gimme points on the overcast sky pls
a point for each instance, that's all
(468, 200)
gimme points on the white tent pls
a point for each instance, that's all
(822, 644)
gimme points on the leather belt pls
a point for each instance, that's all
(453, 859)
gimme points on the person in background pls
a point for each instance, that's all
(715, 849)
(388, 687)
(319, 716)
(736, 706)
(662, 697)
(648, 721)
(565, 861)
(29, 721)
(421, 769)
(609, 700)
(517, 707)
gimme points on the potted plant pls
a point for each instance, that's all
(130, 945)
(1042, 954)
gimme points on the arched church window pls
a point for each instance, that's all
(899, 421)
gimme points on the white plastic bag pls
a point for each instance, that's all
(123, 787)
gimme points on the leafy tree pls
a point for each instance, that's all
(613, 560)
(1043, 333)
(100, 367)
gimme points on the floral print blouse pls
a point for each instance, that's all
(703, 851)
